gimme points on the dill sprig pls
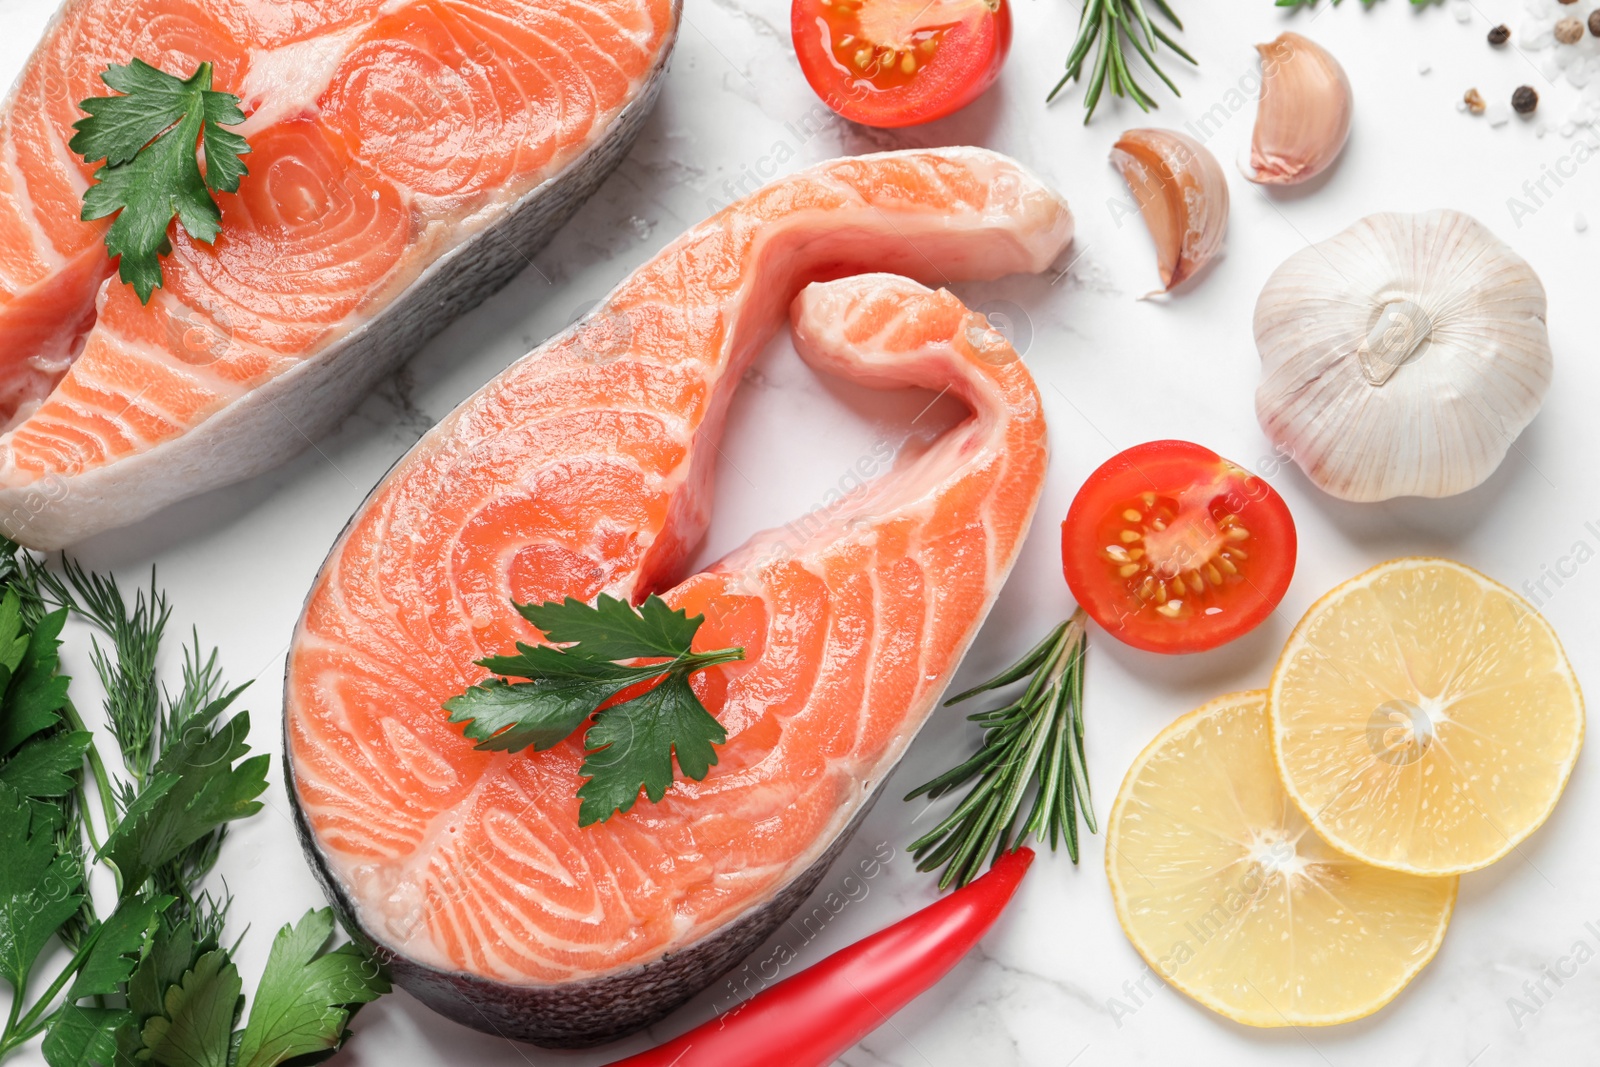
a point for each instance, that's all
(128, 670)
(144, 716)
(1034, 742)
(1108, 28)
(201, 691)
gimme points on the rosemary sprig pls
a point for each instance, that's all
(1368, 3)
(1109, 28)
(1036, 742)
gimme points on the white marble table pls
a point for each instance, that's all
(1056, 983)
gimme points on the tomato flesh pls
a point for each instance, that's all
(892, 63)
(1171, 548)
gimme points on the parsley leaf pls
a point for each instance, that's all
(84, 1036)
(632, 746)
(13, 642)
(307, 994)
(41, 872)
(172, 951)
(119, 943)
(39, 759)
(148, 138)
(511, 716)
(195, 787)
(45, 767)
(614, 629)
(638, 735)
(40, 887)
(34, 693)
(195, 1025)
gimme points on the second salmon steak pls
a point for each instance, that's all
(585, 468)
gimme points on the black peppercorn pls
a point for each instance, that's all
(1500, 35)
(1594, 22)
(1525, 100)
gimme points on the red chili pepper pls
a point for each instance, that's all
(810, 1019)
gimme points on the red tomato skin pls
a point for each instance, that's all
(1274, 545)
(959, 81)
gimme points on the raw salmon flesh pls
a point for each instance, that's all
(585, 468)
(407, 158)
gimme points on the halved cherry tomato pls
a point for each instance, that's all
(1171, 548)
(900, 62)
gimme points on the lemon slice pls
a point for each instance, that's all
(1228, 894)
(1425, 718)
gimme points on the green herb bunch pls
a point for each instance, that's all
(151, 981)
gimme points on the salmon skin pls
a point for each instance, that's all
(407, 158)
(585, 468)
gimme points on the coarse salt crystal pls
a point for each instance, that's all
(1568, 129)
(1424, 67)
(1580, 223)
(1540, 130)
(1498, 114)
(1463, 13)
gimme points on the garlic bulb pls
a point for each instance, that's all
(1182, 194)
(1304, 118)
(1401, 357)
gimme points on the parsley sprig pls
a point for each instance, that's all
(149, 137)
(632, 742)
(153, 982)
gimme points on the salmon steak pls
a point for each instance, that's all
(585, 468)
(407, 157)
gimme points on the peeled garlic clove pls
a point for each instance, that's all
(1304, 118)
(1182, 194)
(1402, 357)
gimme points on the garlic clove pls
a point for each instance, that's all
(1304, 117)
(1182, 194)
(1402, 357)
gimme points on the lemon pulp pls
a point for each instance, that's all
(1425, 718)
(1226, 891)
